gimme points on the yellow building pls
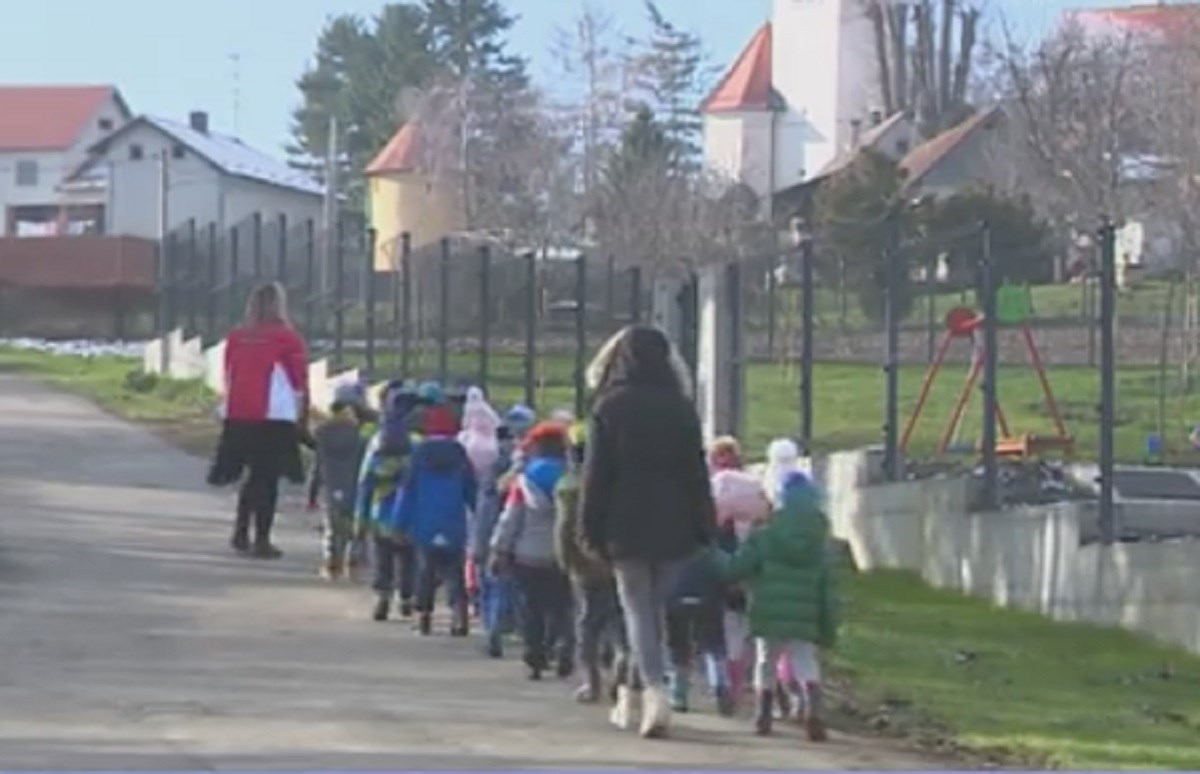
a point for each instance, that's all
(404, 197)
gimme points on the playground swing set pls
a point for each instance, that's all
(963, 323)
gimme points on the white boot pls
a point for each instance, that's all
(621, 715)
(656, 712)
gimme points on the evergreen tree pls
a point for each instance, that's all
(360, 71)
(637, 190)
(860, 216)
(486, 106)
(469, 40)
(672, 76)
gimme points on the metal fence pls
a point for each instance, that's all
(523, 324)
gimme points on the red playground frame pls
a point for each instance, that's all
(963, 323)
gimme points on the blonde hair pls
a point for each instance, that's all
(267, 304)
(599, 366)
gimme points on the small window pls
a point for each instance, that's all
(27, 173)
(106, 124)
(136, 153)
(177, 151)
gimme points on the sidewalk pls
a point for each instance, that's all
(131, 638)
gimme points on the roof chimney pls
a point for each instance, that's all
(198, 120)
(855, 133)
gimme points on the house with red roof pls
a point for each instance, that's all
(796, 98)
(45, 133)
(405, 197)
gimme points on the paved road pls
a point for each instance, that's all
(130, 638)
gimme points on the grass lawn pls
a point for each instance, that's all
(923, 664)
(941, 667)
(848, 402)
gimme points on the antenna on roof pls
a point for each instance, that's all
(236, 59)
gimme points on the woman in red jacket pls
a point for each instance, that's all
(265, 409)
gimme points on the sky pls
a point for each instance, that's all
(170, 57)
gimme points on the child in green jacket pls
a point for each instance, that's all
(786, 568)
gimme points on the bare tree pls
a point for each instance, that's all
(924, 53)
(587, 54)
(1072, 120)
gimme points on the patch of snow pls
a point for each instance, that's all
(87, 348)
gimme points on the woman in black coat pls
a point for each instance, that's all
(646, 504)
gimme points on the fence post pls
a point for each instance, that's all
(214, 280)
(310, 278)
(987, 281)
(931, 287)
(485, 312)
(191, 283)
(444, 313)
(394, 289)
(257, 246)
(635, 294)
(405, 302)
(369, 294)
(772, 300)
(339, 291)
(806, 340)
(281, 260)
(580, 333)
(893, 271)
(1108, 390)
(737, 363)
(234, 276)
(610, 287)
(531, 309)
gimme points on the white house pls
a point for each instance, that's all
(45, 132)
(209, 177)
(796, 97)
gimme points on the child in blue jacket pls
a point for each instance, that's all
(384, 467)
(498, 593)
(438, 492)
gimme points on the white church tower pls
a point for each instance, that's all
(791, 102)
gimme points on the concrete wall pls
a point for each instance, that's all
(187, 359)
(1029, 558)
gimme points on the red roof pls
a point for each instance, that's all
(37, 118)
(78, 262)
(747, 85)
(1140, 18)
(401, 154)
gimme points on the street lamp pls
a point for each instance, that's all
(802, 241)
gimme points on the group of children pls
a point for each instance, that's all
(439, 490)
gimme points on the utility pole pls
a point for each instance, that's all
(330, 203)
(164, 275)
(236, 59)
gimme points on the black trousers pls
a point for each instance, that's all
(546, 613)
(264, 452)
(395, 567)
(695, 625)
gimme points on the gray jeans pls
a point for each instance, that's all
(645, 588)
